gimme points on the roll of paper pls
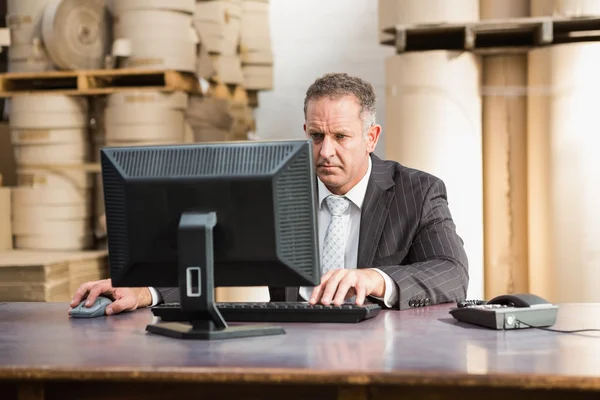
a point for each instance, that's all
(24, 19)
(76, 33)
(54, 178)
(66, 242)
(52, 154)
(142, 99)
(29, 58)
(563, 164)
(433, 123)
(49, 103)
(184, 6)
(47, 136)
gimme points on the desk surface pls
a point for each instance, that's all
(40, 341)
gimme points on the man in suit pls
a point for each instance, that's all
(385, 230)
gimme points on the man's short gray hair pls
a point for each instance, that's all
(337, 85)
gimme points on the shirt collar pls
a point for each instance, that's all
(356, 195)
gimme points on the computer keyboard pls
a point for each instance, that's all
(277, 312)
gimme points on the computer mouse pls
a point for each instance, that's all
(96, 310)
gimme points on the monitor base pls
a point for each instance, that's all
(200, 318)
(181, 330)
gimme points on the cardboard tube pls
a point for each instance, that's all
(76, 33)
(433, 123)
(564, 166)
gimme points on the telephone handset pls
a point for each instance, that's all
(518, 300)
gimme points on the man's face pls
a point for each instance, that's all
(341, 150)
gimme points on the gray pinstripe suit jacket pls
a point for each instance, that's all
(406, 231)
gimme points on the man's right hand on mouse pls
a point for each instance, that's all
(124, 299)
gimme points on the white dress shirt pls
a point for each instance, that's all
(356, 196)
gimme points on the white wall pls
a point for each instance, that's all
(311, 38)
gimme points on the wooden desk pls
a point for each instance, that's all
(414, 354)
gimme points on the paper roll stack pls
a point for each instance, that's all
(52, 204)
(26, 52)
(218, 25)
(153, 34)
(98, 139)
(145, 118)
(255, 46)
(57, 34)
(433, 118)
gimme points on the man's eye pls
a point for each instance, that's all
(317, 136)
(340, 136)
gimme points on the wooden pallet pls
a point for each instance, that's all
(253, 98)
(233, 93)
(494, 36)
(95, 82)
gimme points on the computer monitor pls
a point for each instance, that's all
(197, 216)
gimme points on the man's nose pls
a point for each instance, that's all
(327, 147)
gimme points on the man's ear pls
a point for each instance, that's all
(373, 137)
(304, 127)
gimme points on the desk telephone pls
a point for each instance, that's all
(512, 311)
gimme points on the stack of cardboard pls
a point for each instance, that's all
(218, 25)
(220, 118)
(236, 34)
(52, 204)
(255, 45)
(48, 276)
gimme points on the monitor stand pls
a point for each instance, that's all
(196, 286)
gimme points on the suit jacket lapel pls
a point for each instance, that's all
(374, 212)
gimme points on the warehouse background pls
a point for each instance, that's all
(512, 134)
